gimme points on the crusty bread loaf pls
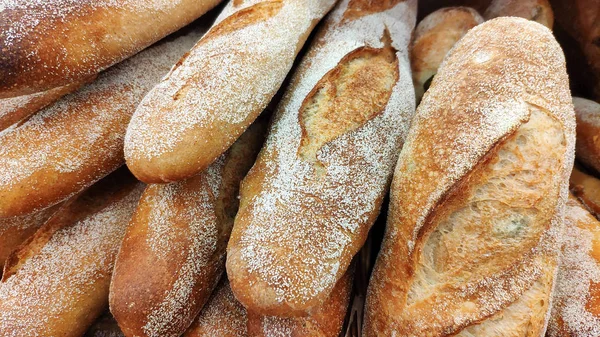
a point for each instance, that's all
(537, 10)
(434, 36)
(309, 201)
(174, 251)
(581, 19)
(479, 191)
(56, 284)
(576, 302)
(15, 230)
(326, 321)
(14, 109)
(51, 43)
(105, 326)
(224, 316)
(587, 189)
(76, 141)
(587, 147)
(218, 88)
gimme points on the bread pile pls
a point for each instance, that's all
(168, 169)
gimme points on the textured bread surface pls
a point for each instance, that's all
(581, 19)
(174, 251)
(586, 188)
(478, 193)
(576, 303)
(56, 284)
(310, 199)
(434, 36)
(15, 230)
(537, 10)
(587, 147)
(14, 109)
(51, 43)
(219, 88)
(325, 321)
(69, 145)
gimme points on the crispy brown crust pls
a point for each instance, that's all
(30, 302)
(587, 147)
(536, 10)
(64, 47)
(439, 274)
(172, 224)
(159, 152)
(586, 188)
(14, 109)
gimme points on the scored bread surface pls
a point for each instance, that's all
(478, 195)
(310, 199)
(51, 43)
(217, 90)
(79, 139)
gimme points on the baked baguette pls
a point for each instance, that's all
(105, 326)
(14, 109)
(56, 284)
(317, 186)
(581, 19)
(219, 88)
(174, 251)
(587, 189)
(576, 302)
(478, 195)
(587, 146)
(434, 36)
(46, 44)
(224, 316)
(537, 10)
(76, 141)
(15, 230)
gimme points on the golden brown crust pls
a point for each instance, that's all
(576, 303)
(174, 251)
(587, 189)
(587, 147)
(200, 109)
(79, 139)
(15, 109)
(536, 10)
(315, 190)
(46, 44)
(57, 283)
(15, 230)
(478, 193)
(434, 36)
(581, 19)
(325, 321)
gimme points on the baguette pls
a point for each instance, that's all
(326, 321)
(434, 37)
(51, 43)
(536, 10)
(15, 230)
(219, 88)
(14, 109)
(581, 20)
(69, 145)
(587, 189)
(56, 284)
(224, 316)
(478, 195)
(174, 251)
(587, 146)
(105, 326)
(576, 303)
(317, 186)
